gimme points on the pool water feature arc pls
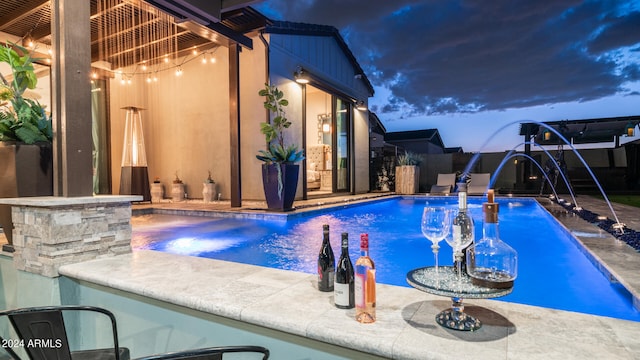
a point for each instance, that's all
(553, 272)
(618, 225)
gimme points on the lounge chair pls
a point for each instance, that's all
(478, 184)
(444, 184)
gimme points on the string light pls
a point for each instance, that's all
(126, 78)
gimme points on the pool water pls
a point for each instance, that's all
(552, 271)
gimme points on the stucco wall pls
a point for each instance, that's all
(186, 118)
(185, 121)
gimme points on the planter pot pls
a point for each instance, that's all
(157, 192)
(407, 179)
(177, 192)
(208, 192)
(25, 170)
(280, 199)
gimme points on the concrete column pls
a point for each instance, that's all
(71, 97)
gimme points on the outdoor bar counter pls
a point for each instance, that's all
(285, 307)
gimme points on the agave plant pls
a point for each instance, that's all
(21, 119)
(409, 158)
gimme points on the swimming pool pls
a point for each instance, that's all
(553, 272)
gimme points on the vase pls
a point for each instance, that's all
(208, 192)
(157, 192)
(280, 182)
(25, 170)
(177, 192)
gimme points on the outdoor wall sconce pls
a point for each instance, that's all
(360, 105)
(630, 129)
(301, 76)
(546, 135)
(134, 176)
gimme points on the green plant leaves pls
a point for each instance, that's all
(276, 151)
(279, 154)
(25, 120)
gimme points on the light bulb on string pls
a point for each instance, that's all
(179, 71)
(213, 60)
(204, 58)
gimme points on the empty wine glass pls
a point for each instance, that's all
(436, 223)
(461, 236)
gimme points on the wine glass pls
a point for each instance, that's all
(436, 223)
(461, 236)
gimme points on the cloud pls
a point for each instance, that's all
(439, 57)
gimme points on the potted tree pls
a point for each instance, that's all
(280, 169)
(25, 136)
(408, 173)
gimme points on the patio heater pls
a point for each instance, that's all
(134, 176)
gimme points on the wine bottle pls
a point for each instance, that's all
(365, 284)
(462, 230)
(326, 263)
(344, 289)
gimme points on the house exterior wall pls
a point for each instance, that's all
(185, 121)
(186, 118)
(323, 57)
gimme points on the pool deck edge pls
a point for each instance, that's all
(289, 302)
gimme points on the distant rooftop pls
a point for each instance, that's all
(585, 131)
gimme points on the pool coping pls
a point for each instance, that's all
(615, 259)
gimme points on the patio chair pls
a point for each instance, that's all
(479, 183)
(45, 330)
(444, 184)
(212, 353)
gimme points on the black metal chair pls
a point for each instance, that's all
(42, 334)
(212, 353)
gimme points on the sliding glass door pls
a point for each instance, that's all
(341, 143)
(328, 142)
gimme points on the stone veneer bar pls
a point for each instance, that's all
(53, 231)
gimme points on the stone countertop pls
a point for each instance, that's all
(55, 201)
(405, 329)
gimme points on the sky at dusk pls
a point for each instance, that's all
(471, 67)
